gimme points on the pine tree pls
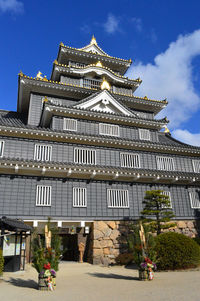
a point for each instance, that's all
(157, 211)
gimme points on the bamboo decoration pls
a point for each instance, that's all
(47, 237)
(142, 236)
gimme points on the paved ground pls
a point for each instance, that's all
(84, 282)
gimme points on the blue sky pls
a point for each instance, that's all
(161, 36)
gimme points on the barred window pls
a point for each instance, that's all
(167, 193)
(144, 134)
(1, 148)
(196, 165)
(70, 124)
(79, 197)
(117, 198)
(108, 129)
(194, 200)
(43, 195)
(130, 160)
(85, 156)
(165, 163)
(42, 152)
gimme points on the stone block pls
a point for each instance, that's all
(96, 244)
(107, 232)
(97, 252)
(106, 243)
(101, 226)
(106, 251)
(97, 234)
(190, 224)
(112, 225)
(114, 234)
(181, 224)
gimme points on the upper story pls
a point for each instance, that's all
(88, 106)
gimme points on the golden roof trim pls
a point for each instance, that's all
(106, 55)
(103, 67)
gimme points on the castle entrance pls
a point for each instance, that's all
(69, 245)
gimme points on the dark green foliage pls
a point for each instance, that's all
(176, 251)
(156, 211)
(1, 262)
(197, 239)
(135, 244)
(41, 255)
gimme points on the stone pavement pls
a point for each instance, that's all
(85, 282)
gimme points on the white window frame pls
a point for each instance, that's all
(167, 193)
(109, 129)
(42, 152)
(196, 165)
(194, 202)
(144, 134)
(130, 160)
(43, 196)
(84, 156)
(2, 143)
(165, 163)
(79, 197)
(113, 202)
(69, 124)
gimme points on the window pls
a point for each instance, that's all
(85, 156)
(1, 148)
(165, 163)
(167, 193)
(196, 165)
(108, 129)
(79, 197)
(194, 200)
(43, 195)
(42, 152)
(144, 134)
(142, 115)
(69, 124)
(130, 160)
(117, 198)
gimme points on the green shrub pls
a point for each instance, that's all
(1, 262)
(176, 251)
(124, 258)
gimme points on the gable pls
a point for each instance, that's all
(94, 49)
(104, 102)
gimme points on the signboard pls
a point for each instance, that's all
(18, 246)
(9, 245)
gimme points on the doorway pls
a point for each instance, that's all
(69, 244)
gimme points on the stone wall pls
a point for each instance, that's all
(110, 238)
(187, 227)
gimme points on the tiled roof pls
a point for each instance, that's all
(103, 167)
(14, 225)
(11, 118)
(169, 140)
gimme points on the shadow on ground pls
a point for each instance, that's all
(113, 276)
(23, 283)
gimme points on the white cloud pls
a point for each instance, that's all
(112, 24)
(187, 137)
(14, 6)
(138, 24)
(171, 76)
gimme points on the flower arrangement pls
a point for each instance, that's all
(49, 275)
(147, 269)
